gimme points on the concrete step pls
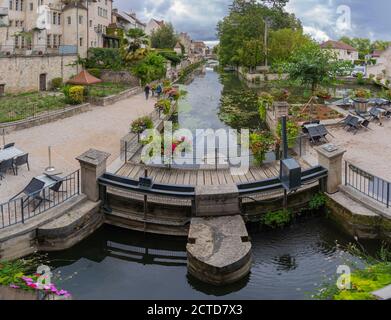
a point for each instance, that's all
(368, 203)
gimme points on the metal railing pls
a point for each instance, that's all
(24, 208)
(368, 184)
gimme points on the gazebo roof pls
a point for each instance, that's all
(84, 78)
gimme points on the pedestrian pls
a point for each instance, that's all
(147, 89)
(159, 90)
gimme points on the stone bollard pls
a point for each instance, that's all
(278, 110)
(92, 166)
(330, 157)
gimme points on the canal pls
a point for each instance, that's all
(289, 263)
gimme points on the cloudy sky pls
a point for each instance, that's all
(323, 19)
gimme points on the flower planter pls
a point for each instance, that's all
(360, 105)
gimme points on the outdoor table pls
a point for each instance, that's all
(49, 182)
(10, 153)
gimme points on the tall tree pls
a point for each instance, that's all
(164, 37)
(313, 66)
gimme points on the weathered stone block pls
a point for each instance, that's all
(220, 200)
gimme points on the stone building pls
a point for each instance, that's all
(185, 40)
(344, 51)
(48, 31)
(153, 25)
(126, 20)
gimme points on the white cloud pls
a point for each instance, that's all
(317, 34)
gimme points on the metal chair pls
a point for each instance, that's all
(9, 145)
(32, 191)
(20, 161)
(5, 166)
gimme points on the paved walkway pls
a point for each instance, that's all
(368, 149)
(102, 128)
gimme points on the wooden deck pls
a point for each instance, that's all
(201, 176)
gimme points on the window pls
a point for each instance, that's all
(16, 5)
(22, 42)
(90, 23)
(80, 19)
(31, 6)
(81, 42)
(16, 41)
(21, 23)
(69, 20)
(48, 41)
(10, 5)
(54, 18)
(59, 19)
(59, 40)
(21, 5)
(16, 23)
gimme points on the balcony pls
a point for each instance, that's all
(3, 11)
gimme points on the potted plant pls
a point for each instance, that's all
(361, 99)
(163, 105)
(141, 124)
(322, 95)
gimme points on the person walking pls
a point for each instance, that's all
(147, 89)
(159, 90)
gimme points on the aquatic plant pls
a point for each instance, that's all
(317, 201)
(277, 219)
(375, 276)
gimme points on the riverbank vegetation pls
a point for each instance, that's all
(22, 274)
(375, 275)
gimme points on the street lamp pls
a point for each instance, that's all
(268, 22)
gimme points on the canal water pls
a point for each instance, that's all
(290, 263)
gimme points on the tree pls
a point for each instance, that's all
(285, 41)
(252, 53)
(152, 67)
(246, 22)
(313, 66)
(135, 46)
(164, 37)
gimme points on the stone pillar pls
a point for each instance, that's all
(330, 157)
(92, 166)
(212, 201)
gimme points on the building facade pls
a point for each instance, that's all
(126, 21)
(153, 25)
(343, 51)
(49, 29)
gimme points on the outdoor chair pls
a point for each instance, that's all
(346, 121)
(58, 183)
(20, 161)
(354, 124)
(9, 145)
(32, 191)
(5, 166)
(375, 114)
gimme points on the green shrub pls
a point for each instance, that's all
(57, 83)
(318, 201)
(97, 73)
(292, 130)
(165, 105)
(277, 219)
(260, 144)
(265, 100)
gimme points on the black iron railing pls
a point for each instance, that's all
(368, 184)
(24, 208)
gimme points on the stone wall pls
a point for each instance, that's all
(120, 77)
(21, 73)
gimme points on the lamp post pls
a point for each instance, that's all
(267, 21)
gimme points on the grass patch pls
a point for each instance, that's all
(25, 105)
(106, 89)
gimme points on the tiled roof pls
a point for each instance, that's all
(337, 45)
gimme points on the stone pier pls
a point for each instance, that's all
(219, 250)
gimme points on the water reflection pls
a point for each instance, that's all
(120, 264)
